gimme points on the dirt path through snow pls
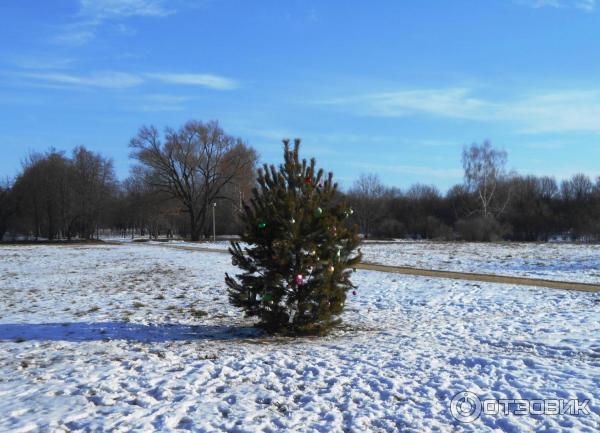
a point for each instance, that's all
(433, 273)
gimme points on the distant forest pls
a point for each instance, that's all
(183, 173)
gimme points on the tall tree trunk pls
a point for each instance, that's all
(194, 227)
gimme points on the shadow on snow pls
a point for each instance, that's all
(98, 331)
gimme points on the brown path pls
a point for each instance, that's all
(405, 270)
(486, 278)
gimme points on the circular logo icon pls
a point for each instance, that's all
(465, 406)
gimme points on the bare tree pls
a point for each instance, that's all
(577, 200)
(93, 183)
(37, 193)
(58, 196)
(365, 197)
(548, 188)
(484, 168)
(578, 188)
(193, 165)
(7, 208)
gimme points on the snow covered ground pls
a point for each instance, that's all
(552, 261)
(140, 337)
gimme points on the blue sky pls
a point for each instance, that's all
(391, 87)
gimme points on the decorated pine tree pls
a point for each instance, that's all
(300, 250)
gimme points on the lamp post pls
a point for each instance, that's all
(214, 225)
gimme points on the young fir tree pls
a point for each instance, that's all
(301, 250)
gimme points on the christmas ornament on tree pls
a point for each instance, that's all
(308, 233)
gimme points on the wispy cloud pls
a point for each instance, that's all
(416, 170)
(587, 5)
(108, 9)
(205, 80)
(120, 80)
(584, 5)
(546, 145)
(160, 102)
(41, 62)
(558, 111)
(111, 80)
(319, 137)
(94, 13)
(549, 111)
(456, 102)
(75, 35)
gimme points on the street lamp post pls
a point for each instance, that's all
(214, 225)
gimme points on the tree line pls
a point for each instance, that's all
(490, 204)
(181, 176)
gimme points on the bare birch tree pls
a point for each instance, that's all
(484, 168)
(365, 196)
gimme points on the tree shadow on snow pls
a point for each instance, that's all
(99, 331)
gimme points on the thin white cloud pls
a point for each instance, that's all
(335, 138)
(559, 111)
(546, 145)
(454, 102)
(584, 5)
(109, 9)
(110, 80)
(120, 80)
(416, 170)
(94, 13)
(541, 3)
(75, 36)
(205, 80)
(541, 112)
(41, 62)
(560, 173)
(160, 102)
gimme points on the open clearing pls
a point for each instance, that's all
(135, 338)
(552, 261)
(549, 261)
(221, 247)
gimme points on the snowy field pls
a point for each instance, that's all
(140, 337)
(551, 261)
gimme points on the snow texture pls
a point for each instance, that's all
(550, 261)
(141, 338)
